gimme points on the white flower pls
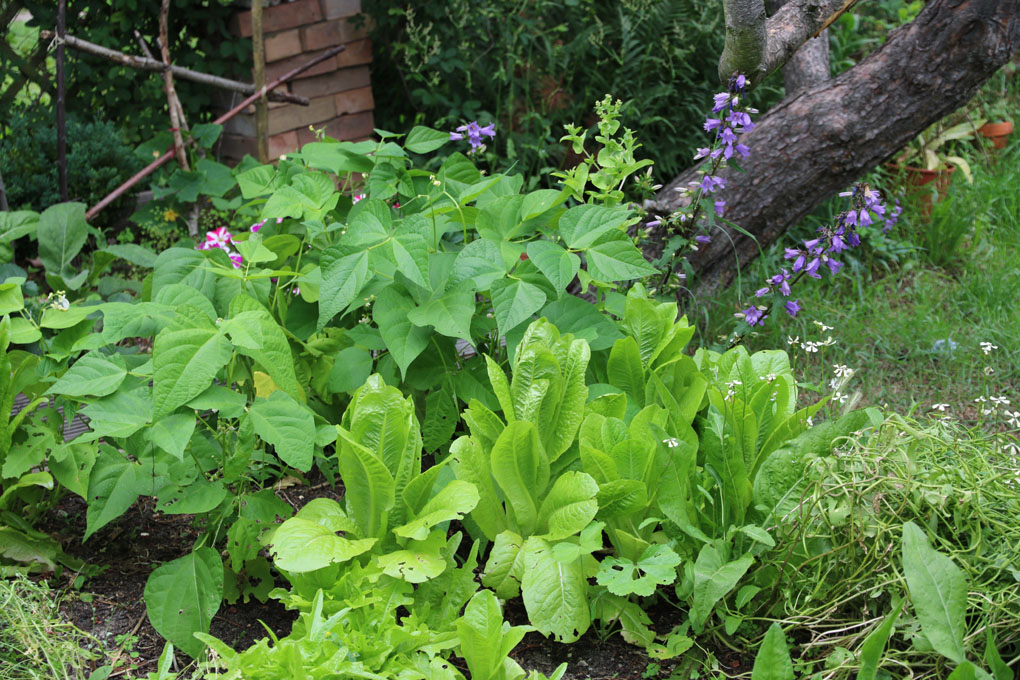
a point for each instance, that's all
(671, 442)
(989, 370)
(792, 341)
(810, 347)
(823, 327)
(810, 421)
(771, 377)
(1001, 401)
(1013, 418)
(987, 347)
(840, 397)
(941, 408)
(842, 371)
(980, 400)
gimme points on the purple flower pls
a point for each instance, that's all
(812, 268)
(720, 206)
(762, 292)
(710, 183)
(702, 152)
(754, 316)
(782, 280)
(834, 266)
(474, 133)
(893, 218)
(702, 239)
(739, 81)
(654, 223)
(711, 124)
(743, 150)
(722, 100)
(792, 307)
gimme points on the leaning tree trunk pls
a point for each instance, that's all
(809, 65)
(816, 143)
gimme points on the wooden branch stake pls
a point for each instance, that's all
(3, 196)
(147, 64)
(168, 79)
(61, 104)
(259, 58)
(159, 162)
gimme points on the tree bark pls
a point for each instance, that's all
(814, 144)
(809, 65)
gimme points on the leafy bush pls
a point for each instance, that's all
(98, 161)
(533, 68)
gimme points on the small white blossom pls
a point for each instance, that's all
(842, 371)
(1001, 401)
(989, 370)
(823, 327)
(840, 397)
(792, 341)
(810, 347)
(987, 347)
(671, 442)
(941, 408)
(1013, 418)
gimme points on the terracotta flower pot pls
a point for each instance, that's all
(917, 178)
(997, 132)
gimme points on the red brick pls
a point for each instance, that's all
(331, 33)
(282, 17)
(282, 45)
(331, 83)
(334, 9)
(296, 117)
(357, 53)
(355, 101)
(285, 142)
(279, 68)
(344, 128)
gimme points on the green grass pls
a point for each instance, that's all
(35, 643)
(896, 306)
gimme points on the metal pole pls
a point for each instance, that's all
(61, 90)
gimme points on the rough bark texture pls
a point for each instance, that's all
(816, 143)
(809, 65)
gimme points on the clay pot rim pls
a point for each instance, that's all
(996, 129)
(948, 169)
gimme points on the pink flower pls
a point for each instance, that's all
(217, 238)
(295, 290)
(236, 259)
(279, 220)
(357, 197)
(258, 225)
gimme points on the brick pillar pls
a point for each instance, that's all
(339, 89)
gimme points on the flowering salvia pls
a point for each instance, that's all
(474, 133)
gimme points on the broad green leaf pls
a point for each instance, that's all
(199, 497)
(480, 262)
(127, 320)
(456, 499)
(569, 506)
(505, 568)
(113, 488)
(173, 433)
(422, 139)
(133, 253)
(301, 545)
(713, 580)
(351, 368)
(616, 497)
(559, 266)
(582, 319)
(14, 225)
(187, 266)
(71, 465)
(64, 318)
(555, 594)
(656, 566)
(501, 388)
(31, 550)
(412, 258)
(182, 596)
(94, 374)
(274, 353)
(617, 260)
(514, 302)
(338, 158)
(999, 668)
(120, 414)
(450, 313)
(23, 331)
(442, 414)
(471, 463)
(419, 561)
(624, 369)
(185, 362)
(773, 659)
(583, 225)
(403, 340)
(342, 280)
(874, 645)
(485, 641)
(257, 181)
(227, 403)
(288, 425)
(62, 233)
(11, 298)
(517, 462)
(938, 591)
(370, 488)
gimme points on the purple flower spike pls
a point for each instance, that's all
(474, 133)
(754, 316)
(702, 239)
(812, 268)
(711, 124)
(762, 292)
(792, 307)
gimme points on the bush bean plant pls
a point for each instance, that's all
(488, 376)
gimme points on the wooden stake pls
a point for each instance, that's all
(259, 57)
(148, 64)
(3, 196)
(168, 79)
(61, 108)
